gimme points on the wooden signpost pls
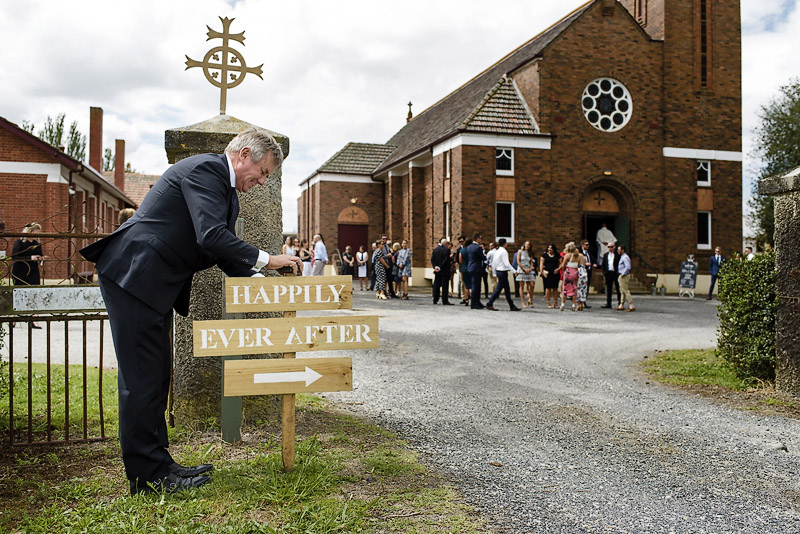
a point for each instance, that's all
(286, 376)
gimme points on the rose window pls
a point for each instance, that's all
(607, 104)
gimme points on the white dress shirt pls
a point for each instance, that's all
(500, 260)
(263, 257)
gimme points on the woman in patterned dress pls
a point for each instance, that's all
(569, 266)
(380, 266)
(526, 274)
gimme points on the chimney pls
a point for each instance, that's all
(119, 164)
(96, 138)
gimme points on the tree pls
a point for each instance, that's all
(52, 133)
(108, 160)
(778, 146)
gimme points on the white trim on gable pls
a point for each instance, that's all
(525, 105)
(51, 170)
(507, 141)
(333, 177)
(697, 153)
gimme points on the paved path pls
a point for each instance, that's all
(585, 442)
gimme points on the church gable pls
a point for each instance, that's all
(502, 111)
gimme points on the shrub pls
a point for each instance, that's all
(746, 314)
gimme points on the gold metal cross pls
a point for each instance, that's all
(231, 65)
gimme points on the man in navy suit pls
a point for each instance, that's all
(714, 266)
(184, 225)
(611, 273)
(474, 267)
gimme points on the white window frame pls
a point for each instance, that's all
(447, 164)
(705, 246)
(707, 163)
(447, 220)
(499, 172)
(509, 238)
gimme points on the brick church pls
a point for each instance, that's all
(625, 112)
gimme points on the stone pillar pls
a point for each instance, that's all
(786, 190)
(197, 381)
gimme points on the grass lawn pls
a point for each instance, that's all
(349, 476)
(702, 372)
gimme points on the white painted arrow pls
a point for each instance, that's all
(309, 376)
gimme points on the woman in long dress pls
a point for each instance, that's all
(380, 265)
(583, 282)
(526, 274)
(361, 260)
(569, 266)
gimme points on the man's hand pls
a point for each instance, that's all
(276, 261)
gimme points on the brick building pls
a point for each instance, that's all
(625, 112)
(40, 183)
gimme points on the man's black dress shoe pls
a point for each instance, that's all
(604, 306)
(586, 306)
(490, 308)
(515, 309)
(448, 304)
(169, 484)
(188, 472)
(479, 307)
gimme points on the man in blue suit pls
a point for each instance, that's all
(714, 266)
(475, 266)
(184, 225)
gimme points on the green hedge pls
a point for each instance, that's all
(746, 314)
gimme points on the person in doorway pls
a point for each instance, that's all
(624, 281)
(603, 236)
(715, 263)
(320, 258)
(185, 224)
(440, 260)
(502, 267)
(611, 273)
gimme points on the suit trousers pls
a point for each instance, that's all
(502, 284)
(475, 290)
(612, 281)
(713, 283)
(318, 269)
(441, 284)
(142, 343)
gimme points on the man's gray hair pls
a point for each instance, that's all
(260, 142)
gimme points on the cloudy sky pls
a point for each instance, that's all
(333, 71)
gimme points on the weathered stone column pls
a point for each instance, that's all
(197, 381)
(786, 190)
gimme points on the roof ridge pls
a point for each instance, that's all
(514, 51)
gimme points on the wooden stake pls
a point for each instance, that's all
(287, 414)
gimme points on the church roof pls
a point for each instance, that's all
(137, 185)
(454, 112)
(357, 158)
(502, 111)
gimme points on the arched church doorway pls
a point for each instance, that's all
(353, 228)
(603, 205)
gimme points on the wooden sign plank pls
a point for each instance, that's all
(288, 375)
(300, 334)
(288, 293)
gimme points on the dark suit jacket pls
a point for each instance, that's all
(713, 265)
(617, 256)
(476, 258)
(185, 224)
(441, 259)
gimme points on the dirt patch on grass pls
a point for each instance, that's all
(764, 400)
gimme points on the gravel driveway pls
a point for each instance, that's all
(545, 423)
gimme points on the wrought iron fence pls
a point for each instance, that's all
(57, 391)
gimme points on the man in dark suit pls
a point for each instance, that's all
(587, 253)
(184, 225)
(714, 265)
(611, 273)
(476, 264)
(440, 259)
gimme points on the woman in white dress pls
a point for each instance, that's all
(361, 259)
(526, 274)
(305, 257)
